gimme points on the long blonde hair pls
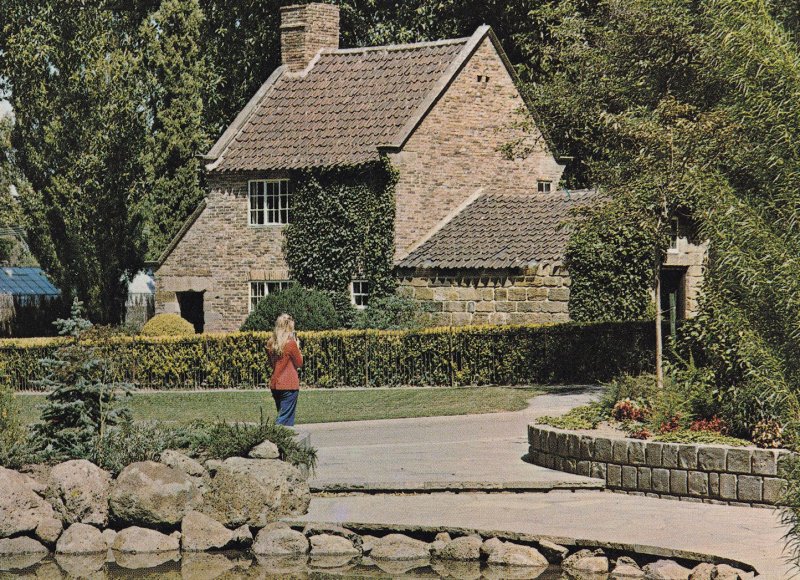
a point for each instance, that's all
(284, 331)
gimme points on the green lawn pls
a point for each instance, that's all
(317, 406)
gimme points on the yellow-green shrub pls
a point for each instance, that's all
(167, 325)
(470, 355)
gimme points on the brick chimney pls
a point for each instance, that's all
(305, 29)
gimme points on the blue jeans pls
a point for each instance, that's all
(286, 404)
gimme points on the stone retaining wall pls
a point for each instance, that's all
(707, 473)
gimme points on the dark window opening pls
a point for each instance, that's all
(191, 305)
(673, 296)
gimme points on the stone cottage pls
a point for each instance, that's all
(477, 232)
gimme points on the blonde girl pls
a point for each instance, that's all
(284, 358)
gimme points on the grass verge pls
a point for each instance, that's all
(315, 406)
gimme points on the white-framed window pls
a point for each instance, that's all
(674, 232)
(543, 186)
(359, 293)
(259, 290)
(270, 201)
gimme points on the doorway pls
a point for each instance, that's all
(191, 305)
(673, 296)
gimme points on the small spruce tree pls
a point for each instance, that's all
(84, 396)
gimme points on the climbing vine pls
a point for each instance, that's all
(343, 228)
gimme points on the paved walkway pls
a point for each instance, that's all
(484, 452)
(439, 453)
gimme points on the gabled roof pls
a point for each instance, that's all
(344, 107)
(26, 282)
(502, 231)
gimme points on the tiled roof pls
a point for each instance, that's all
(500, 231)
(350, 102)
(26, 282)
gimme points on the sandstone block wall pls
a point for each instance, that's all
(456, 149)
(220, 254)
(702, 473)
(538, 296)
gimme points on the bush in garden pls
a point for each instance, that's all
(15, 445)
(628, 410)
(167, 325)
(83, 398)
(390, 313)
(311, 310)
(130, 442)
(714, 424)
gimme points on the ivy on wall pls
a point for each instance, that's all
(610, 258)
(343, 228)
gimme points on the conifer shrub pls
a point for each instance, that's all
(167, 325)
(311, 310)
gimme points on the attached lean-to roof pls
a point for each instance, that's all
(26, 282)
(502, 231)
(345, 106)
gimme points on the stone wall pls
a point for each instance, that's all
(707, 473)
(220, 254)
(690, 255)
(456, 149)
(536, 296)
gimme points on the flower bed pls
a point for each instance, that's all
(694, 472)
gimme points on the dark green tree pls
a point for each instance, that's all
(178, 79)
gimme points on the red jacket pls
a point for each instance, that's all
(284, 367)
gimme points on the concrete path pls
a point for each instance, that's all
(640, 524)
(473, 452)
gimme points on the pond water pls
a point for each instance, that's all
(230, 565)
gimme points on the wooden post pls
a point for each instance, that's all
(659, 338)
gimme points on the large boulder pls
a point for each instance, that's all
(280, 541)
(183, 462)
(152, 493)
(399, 547)
(200, 533)
(22, 509)
(666, 570)
(78, 490)
(510, 554)
(136, 540)
(332, 545)
(20, 553)
(49, 530)
(255, 492)
(463, 548)
(265, 450)
(81, 539)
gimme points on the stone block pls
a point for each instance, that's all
(678, 482)
(774, 488)
(574, 445)
(500, 294)
(645, 479)
(584, 468)
(533, 437)
(713, 484)
(629, 477)
(598, 470)
(484, 306)
(740, 460)
(587, 447)
(558, 294)
(505, 306)
(614, 475)
(687, 456)
(517, 294)
(423, 293)
(561, 443)
(537, 294)
(749, 488)
(765, 462)
(602, 449)
(620, 451)
(652, 454)
(669, 455)
(570, 465)
(727, 486)
(636, 453)
(455, 306)
(660, 480)
(711, 458)
(698, 483)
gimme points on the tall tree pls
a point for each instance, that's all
(177, 77)
(73, 76)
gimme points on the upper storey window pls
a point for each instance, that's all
(543, 186)
(270, 202)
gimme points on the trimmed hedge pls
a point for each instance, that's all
(445, 356)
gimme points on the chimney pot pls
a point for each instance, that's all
(305, 30)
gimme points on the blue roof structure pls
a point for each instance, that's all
(26, 282)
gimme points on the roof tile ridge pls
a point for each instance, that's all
(401, 46)
(479, 193)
